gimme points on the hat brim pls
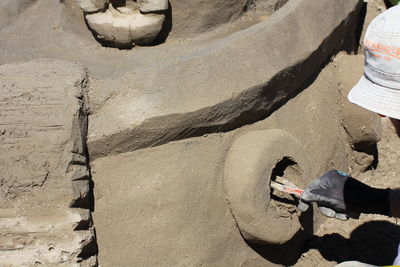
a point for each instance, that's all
(376, 98)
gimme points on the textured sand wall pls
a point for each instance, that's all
(43, 170)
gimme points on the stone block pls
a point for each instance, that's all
(83, 219)
(78, 159)
(80, 194)
(79, 132)
(90, 262)
(147, 6)
(125, 26)
(79, 172)
(88, 244)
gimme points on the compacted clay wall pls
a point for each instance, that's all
(261, 108)
(183, 139)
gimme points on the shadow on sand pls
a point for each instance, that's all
(289, 252)
(374, 242)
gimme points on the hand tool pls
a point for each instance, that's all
(286, 186)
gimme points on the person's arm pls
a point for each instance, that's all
(339, 195)
(395, 203)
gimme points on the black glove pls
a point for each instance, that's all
(338, 195)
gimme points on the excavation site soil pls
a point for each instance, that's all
(371, 239)
(150, 132)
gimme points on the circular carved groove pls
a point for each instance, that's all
(262, 214)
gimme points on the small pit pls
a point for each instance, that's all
(285, 205)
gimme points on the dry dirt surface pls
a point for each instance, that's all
(372, 239)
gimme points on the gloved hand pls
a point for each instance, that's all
(327, 192)
(339, 196)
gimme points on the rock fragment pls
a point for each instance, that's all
(126, 26)
(147, 6)
(80, 191)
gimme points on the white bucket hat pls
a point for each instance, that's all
(379, 88)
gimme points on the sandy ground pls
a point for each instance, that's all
(371, 239)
